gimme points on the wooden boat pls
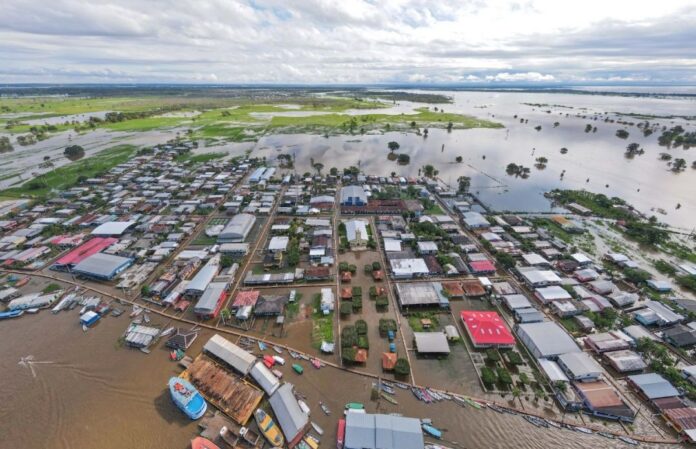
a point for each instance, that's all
(383, 387)
(304, 357)
(203, 443)
(167, 332)
(316, 363)
(278, 349)
(340, 433)
(473, 403)
(445, 396)
(268, 428)
(294, 355)
(279, 360)
(459, 401)
(432, 430)
(606, 435)
(552, 423)
(297, 368)
(32, 310)
(433, 394)
(536, 421)
(146, 318)
(22, 282)
(262, 346)
(317, 429)
(495, 408)
(388, 398)
(304, 407)
(277, 373)
(137, 310)
(116, 312)
(583, 430)
(402, 386)
(324, 408)
(628, 440)
(269, 361)
(11, 314)
(312, 442)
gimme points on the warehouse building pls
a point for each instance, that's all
(353, 196)
(102, 266)
(211, 301)
(237, 229)
(423, 294)
(226, 351)
(290, 417)
(112, 228)
(546, 340)
(368, 431)
(486, 329)
(77, 255)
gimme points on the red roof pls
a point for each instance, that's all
(486, 328)
(85, 250)
(482, 266)
(247, 298)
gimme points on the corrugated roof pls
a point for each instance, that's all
(431, 342)
(102, 265)
(653, 385)
(368, 431)
(228, 352)
(265, 378)
(290, 417)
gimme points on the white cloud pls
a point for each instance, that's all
(352, 41)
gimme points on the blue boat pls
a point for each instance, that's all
(11, 314)
(432, 431)
(88, 318)
(187, 398)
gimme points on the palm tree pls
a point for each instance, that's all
(318, 167)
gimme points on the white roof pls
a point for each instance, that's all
(356, 230)
(265, 378)
(112, 228)
(540, 276)
(228, 352)
(392, 245)
(553, 293)
(534, 259)
(402, 267)
(279, 243)
(581, 258)
(552, 370)
(427, 246)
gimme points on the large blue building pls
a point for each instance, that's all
(353, 196)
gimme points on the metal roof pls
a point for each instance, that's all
(653, 385)
(368, 431)
(237, 228)
(431, 342)
(201, 280)
(265, 378)
(546, 339)
(228, 352)
(291, 418)
(112, 228)
(579, 365)
(102, 265)
(210, 298)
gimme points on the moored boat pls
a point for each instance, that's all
(388, 398)
(459, 401)
(582, 429)
(277, 373)
(324, 408)
(203, 443)
(297, 368)
(279, 360)
(317, 429)
(316, 363)
(304, 407)
(187, 398)
(262, 346)
(11, 314)
(268, 428)
(628, 440)
(341, 433)
(432, 430)
(278, 349)
(88, 318)
(606, 435)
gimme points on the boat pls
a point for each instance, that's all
(388, 398)
(435, 446)
(434, 394)
(278, 349)
(137, 310)
(167, 332)
(311, 441)
(583, 430)
(187, 398)
(402, 386)
(277, 373)
(298, 368)
(203, 443)
(145, 350)
(432, 430)
(606, 435)
(33, 310)
(354, 407)
(64, 303)
(11, 314)
(459, 401)
(340, 433)
(536, 421)
(22, 282)
(176, 355)
(552, 423)
(445, 396)
(426, 396)
(233, 439)
(116, 312)
(473, 403)
(304, 407)
(269, 361)
(279, 360)
(316, 363)
(317, 429)
(304, 357)
(294, 355)
(268, 428)
(628, 440)
(262, 346)
(146, 318)
(495, 408)
(88, 318)
(383, 387)
(324, 408)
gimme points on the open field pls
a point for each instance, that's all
(63, 177)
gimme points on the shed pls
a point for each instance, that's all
(231, 354)
(291, 419)
(431, 343)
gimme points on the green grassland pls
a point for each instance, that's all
(66, 176)
(235, 119)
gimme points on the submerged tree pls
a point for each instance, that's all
(393, 146)
(464, 184)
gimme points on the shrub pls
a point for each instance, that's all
(363, 342)
(402, 367)
(514, 358)
(357, 292)
(349, 337)
(373, 292)
(361, 327)
(376, 266)
(348, 355)
(488, 376)
(492, 355)
(503, 376)
(346, 308)
(382, 302)
(386, 325)
(367, 269)
(357, 303)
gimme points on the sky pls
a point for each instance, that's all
(492, 42)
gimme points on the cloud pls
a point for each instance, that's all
(352, 41)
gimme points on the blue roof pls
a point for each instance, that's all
(654, 386)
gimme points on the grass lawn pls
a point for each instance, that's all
(66, 176)
(322, 325)
(200, 158)
(414, 321)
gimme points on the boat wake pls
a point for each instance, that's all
(30, 362)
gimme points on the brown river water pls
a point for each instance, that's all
(87, 392)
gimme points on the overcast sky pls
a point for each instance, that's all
(348, 41)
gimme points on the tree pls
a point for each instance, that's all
(459, 159)
(393, 146)
(488, 376)
(318, 167)
(622, 134)
(678, 164)
(449, 127)
(429, 171)
(505, 260)
(633, 149)
(464, 184)
(636, 275)
(403, 159)
(564, 150)
(333, 171)
(226, 261)
(5, 144)
(74, 152)
(145, 290)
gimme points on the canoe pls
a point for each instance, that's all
(203, 443)
(262, 346)
(432, 430)
(583, 430)
(312, 442)
(268, 428)
(341, 433)
(269, 361)
(354, 406)
(298, 368)
(277, 373)
(324, 408)
(279, 360)
(388, 398)
(304, 407)
(628, 440)
(316, 363)
(278, 349)
(11, 314)
(317, 429)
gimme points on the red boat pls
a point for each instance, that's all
(203, 443)
(341, 434)
(269, 361)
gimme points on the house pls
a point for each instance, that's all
(427, 248)
(431, 343)
(547, 339)
(608, 341)
(579, 366)
(680, 336)
(652, 386)
(290, 417)
(486, 329)
(278, 244)
(657, 314)
(237, 229)
(625, 361)
(602, 400)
